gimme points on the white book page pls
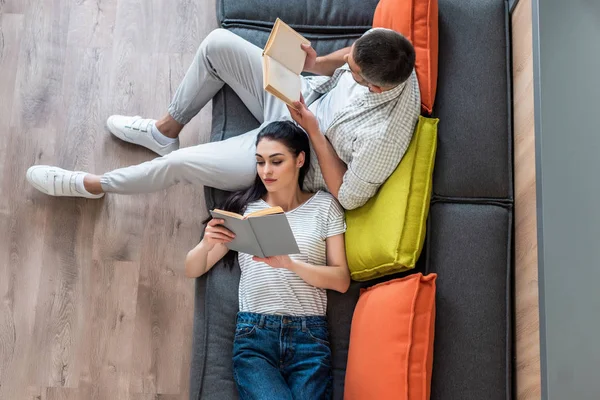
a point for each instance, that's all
(283, 80)
(286, 48)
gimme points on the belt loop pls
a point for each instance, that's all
(304, 329)
(261, 323)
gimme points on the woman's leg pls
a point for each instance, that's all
(308, 373)
(256, 361)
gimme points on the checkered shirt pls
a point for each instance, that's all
(370, 135)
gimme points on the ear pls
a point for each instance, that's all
(375, 89)
(300, 159)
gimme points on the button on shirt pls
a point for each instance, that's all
(370, 132)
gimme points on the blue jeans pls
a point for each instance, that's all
(282, 357)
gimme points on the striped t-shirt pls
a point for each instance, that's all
(267, 290)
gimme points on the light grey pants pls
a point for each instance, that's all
(223, 58)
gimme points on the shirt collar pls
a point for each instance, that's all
(383, 97)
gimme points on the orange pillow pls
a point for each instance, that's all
(391, 341)
(417, 20)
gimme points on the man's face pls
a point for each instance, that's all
(355, 69)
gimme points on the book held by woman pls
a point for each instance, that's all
(264, 233)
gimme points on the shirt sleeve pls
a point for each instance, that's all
(336, 222)
(373, 161)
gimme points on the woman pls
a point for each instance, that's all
(281, 348)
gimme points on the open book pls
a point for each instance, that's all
(283, 61)
(263, 233)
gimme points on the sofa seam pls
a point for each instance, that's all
(349, 29)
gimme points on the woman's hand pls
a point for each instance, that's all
(304, 117)
(276, 261)
(216, 233)
(311, 57)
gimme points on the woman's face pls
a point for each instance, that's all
(276, 166)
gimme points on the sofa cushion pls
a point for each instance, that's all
(325, 16)
(469, 248)
(474, 141)
(391, 341)
(386, 234)
(417, 20)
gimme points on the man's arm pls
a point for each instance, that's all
(332, 167)
(325, 65)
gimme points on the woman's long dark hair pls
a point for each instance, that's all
(296, 140)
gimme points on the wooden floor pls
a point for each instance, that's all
(526, 261)
(93, 302)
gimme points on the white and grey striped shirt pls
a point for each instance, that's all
(268, 290)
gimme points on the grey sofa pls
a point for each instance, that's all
(470, 223)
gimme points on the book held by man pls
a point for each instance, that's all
(263, 233)
(283, 61)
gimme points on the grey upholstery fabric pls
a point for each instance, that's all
(328, 16)
(469, 248)
(474, 151)
(470, 223)
(323, 44)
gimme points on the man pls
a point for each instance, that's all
(359, 112)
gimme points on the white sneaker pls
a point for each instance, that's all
(137, 130)
(55, 181)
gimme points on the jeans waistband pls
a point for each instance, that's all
(275, 321)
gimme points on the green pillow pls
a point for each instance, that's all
(386, 235)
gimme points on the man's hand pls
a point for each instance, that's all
(275, 261)
(311, 57)
(304, 117)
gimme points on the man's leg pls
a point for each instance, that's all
(229, 165)
(222, 58)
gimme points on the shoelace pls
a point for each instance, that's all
(140, 124)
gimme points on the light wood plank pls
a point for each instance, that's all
(38, 99)
(161, 326)
(111, 306)
(526, 271)
(10, 39)
(13, 6)
(70, 268)
(92, 23)
(22, 255)
(84, 392)
(11, 31)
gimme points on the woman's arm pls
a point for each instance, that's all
(202, 258)
(209, 251)
(335, 275)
